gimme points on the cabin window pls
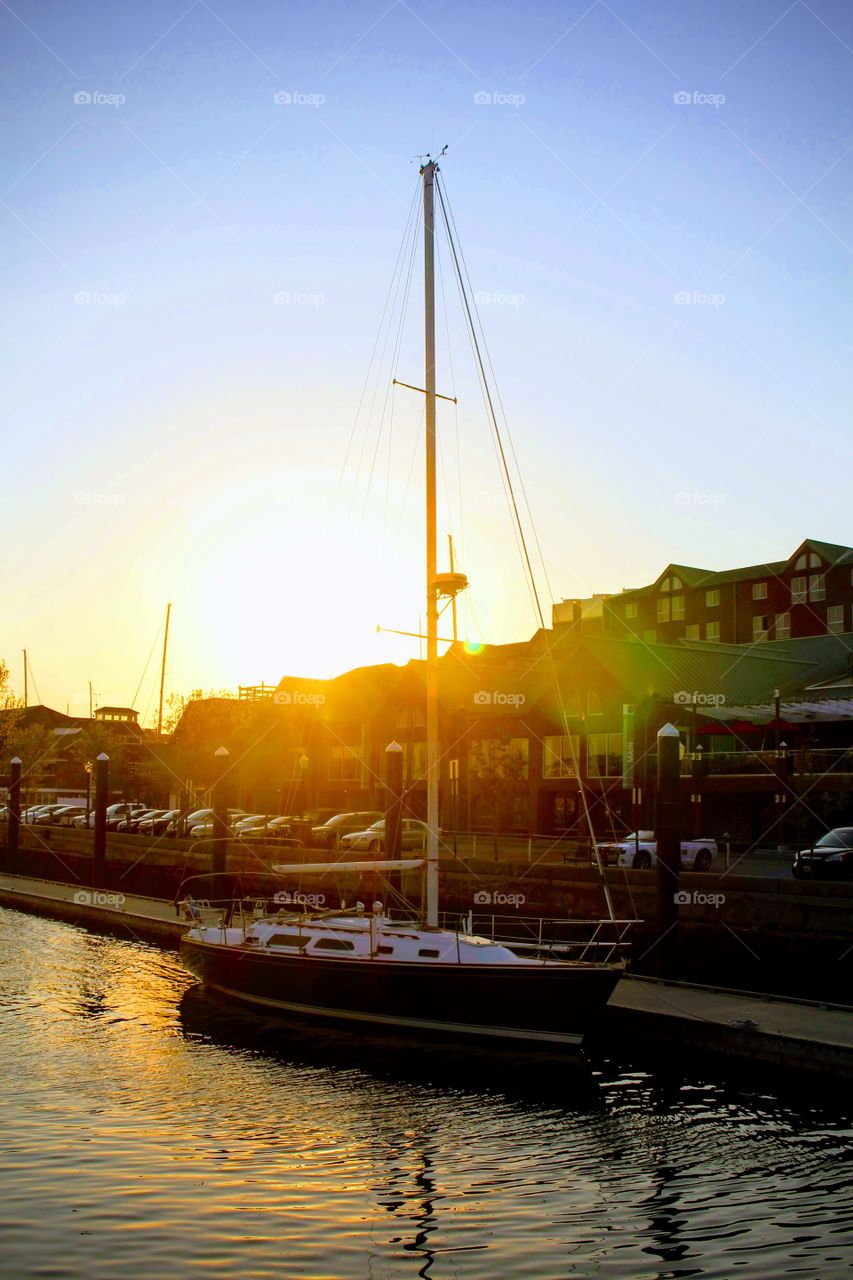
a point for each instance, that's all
(334, 944)
(432, 952)
(285, 940)
(384, 951)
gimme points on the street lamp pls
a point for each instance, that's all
(304, 762)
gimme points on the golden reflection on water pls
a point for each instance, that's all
(151, 1130)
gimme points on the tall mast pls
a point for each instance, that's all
(26, 703)
(428, 172)
(163, 671)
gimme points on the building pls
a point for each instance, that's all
(809, 594)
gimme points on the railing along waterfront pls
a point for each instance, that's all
(822, 760)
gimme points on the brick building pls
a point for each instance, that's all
(809, 594)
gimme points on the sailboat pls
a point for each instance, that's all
(361, 966)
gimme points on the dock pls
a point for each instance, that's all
(651, 1013)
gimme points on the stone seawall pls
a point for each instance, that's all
(774, 935)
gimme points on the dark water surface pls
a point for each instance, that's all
(148, 1131)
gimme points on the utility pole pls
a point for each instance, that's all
(91, 712)
(26, 703)
(163, 671)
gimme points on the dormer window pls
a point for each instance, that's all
(808, 560)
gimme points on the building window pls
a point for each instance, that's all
(414, 761)
(783, 626)
(798, 590)
(801, 562)
(663, 609)
(664, 586)
(505, 758)
(650, 637)
(604, 755)
(835, 617)
(344, 764)
(817, 586)
(694, 631)
(678, 608)
(712, 631)
(631, 609)
(760, 626)
(559, 756)
(712, 599)
(759, 590)
(811, 561)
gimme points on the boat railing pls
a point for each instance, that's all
(593, 941)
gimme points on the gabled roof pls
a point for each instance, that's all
(830, 551)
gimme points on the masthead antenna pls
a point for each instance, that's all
(428, 159)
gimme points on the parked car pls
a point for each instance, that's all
(639, 850)
(203, 829)
(130, 824)
(831, 856)
(301, 828)
(256, 824)
(329, 834)
(412, 836)
(44, 813)
(65, 817)
(30, 814)
(158, 822)
(117, 813)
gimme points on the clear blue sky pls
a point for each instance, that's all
(173, 433)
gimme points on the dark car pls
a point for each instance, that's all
(158, 823)
(328, 836)
(831, 855)
(117, 813)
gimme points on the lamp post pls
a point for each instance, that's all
(668, 837)
(14, 812)
(99, 845)
(304, 762)
(781, 797)
(219, 849)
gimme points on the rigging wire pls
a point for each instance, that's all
(379, 331)
(147, 664)
(498, 442)
(519, 473)
(394, 362)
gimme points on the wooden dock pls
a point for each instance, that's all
(646, 1012)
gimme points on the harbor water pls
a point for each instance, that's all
(147, 1130)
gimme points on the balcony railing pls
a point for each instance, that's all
(804, 762)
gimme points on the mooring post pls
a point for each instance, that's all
(668, 838)
(14, 832)
(219, 849)
(99, 845)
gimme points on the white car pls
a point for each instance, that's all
(639, 850)
(412, 836)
